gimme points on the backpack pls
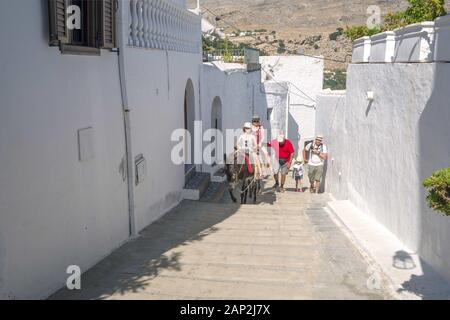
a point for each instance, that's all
(311, 148)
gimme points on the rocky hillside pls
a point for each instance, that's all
(292, 26)
(294, 16)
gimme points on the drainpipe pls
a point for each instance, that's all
(200, 79)
(121, 36)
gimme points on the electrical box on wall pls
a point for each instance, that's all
(141, 168)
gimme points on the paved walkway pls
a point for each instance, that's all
(285, 247)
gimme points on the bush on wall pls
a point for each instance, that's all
(438, 188)
(418, 11)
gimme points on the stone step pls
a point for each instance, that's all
(196, 186)
(215, 192)
(219, 176)
(190, 173)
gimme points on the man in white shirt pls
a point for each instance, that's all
(315, 154)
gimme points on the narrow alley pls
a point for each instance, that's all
(287, 247)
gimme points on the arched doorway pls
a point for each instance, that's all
(216, 123)
(189, 119)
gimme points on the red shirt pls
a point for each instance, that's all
(282, 152)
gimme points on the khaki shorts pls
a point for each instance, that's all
(283, 168)
(315, 173)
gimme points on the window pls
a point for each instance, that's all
(82, 26)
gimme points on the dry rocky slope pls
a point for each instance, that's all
(301, 25)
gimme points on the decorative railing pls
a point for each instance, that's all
(247, 56)
(229, 56)
(161, 24)
(420, 42)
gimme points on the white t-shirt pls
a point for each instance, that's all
(247, 142)
(298, 170)
(314, 159)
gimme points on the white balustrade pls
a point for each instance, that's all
(382, 47)
(162, 24)
(415, 43)
(424, 42)
(361, 50)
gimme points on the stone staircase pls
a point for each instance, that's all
(203, 187)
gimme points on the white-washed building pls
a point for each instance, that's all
(87, 116)
(80, 110)
(388, 132)
(301, 80)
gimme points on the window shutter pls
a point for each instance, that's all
(58, 22)
(108, 24)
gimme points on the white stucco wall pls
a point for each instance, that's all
(305, 78)
(276, 95)
(239, 92)
(330, 123)
(156, 83)
(56, 211)
(385, 150)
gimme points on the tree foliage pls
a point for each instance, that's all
(438, 188)
(335, 79)
(417, 11)
(209, 45)
(356, 32)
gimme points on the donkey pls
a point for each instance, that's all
(238, 169)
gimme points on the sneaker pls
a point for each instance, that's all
(282, 189)
(275, 186)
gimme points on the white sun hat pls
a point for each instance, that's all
(247, 125)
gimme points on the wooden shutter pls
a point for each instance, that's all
(58, 22)
(107, 28)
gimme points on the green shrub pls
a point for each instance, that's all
(438, 188)
(424, 10)
(335, 35)
(335, 79)
(281, 47)
(393, 21)
(418, 11)
(356, 32)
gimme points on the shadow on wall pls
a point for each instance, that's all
(434, 154)
(293, 134)
(324, 178)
